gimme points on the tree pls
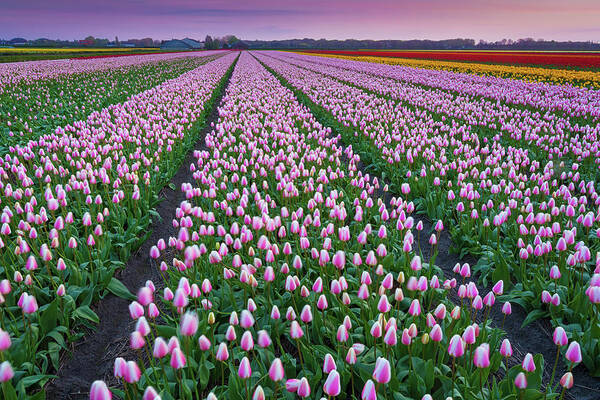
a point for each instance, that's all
(210, 44)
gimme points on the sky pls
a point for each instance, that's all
(282, 19)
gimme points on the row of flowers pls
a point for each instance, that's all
(30, 71)
(534, 224)
(558, 76)
(549, 136)
(75, 203)
(572, 100)
(289, 277)
(31, 109)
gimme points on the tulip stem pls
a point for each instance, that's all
(481, 383)
(553, 371)
(300, 354)
(222, 374)
(352, 380)
(562, 393)
(453, 372)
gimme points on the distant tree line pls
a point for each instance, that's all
(448, 44)
(232, 42)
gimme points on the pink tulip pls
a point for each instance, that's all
(566, 381)
(528, 364)
(204, 343)
(160, 348)
(414, 308)
(244, 370)
(456, 346)
(368, 392)
(332, 386)
(573, 353)
(98, 391)
(506, 349)
(303, 388)
(177, 358)
(296, 331)
(521, 381)
(132, 372)
(222, 352)
(5, 341)
(382, 372)
(189, 324)
(276, 372)
(150, 394)
(560, 336)
(481, 357)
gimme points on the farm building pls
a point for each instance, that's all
(182, 44)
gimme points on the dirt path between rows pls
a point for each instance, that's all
(534, 338)
(93, 356)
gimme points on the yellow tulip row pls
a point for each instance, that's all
(43, 50)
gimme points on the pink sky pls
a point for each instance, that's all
(281, 19)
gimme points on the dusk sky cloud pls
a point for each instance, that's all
(282, 19)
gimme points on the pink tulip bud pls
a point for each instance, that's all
(560, 336)
(369, 392)
(246, 320)
(436, 333)
(469, 335)
(528, 364)
(30, 305)
(415, 308)
(566, 380)
(521, 381)
(153, 311)
(247, 342)
(263, 339)
(222, 352)
(259, 393)
(383, 305)
(382, 372)
(276, 372)
(244, 370)
(136, 340)
(177, 358)
(506, 349)
(291, 385)
(332, 386)
(296, 331)
(322, 303)
(303, 388)
(351, 356)
(189, 324)
(204, 343)
(160, 348)
(150, 394)
(98, 391)
(573, 353)
(456, 347)
(481, 357)
(306, 314)
(132, 372)
(507, 308)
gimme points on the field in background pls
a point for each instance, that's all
(530, 73)
(15, 54)
(586, 60)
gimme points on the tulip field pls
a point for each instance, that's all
(342, 229)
